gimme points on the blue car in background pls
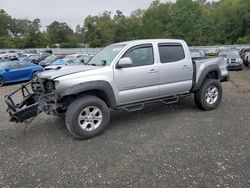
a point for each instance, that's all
(16, 71)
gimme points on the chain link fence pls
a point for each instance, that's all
(91, 51)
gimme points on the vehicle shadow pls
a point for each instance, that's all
(151, 111)
(120, 119)
(15, 83)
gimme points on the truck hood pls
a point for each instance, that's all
(63, 71)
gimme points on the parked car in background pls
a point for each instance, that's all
(196, 54)
(82, 57)
(234, 60)
(8, 56)
(212, 52)
(47, 51)
(243, 53)
(16, 71)
(50, 59)
(42, 56)
(68, 60)
(34, 58)
(247, 59)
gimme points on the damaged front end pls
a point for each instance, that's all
(37, 96)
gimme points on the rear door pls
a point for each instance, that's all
(25, 71)
(140, 81)
(12, 72)
(175, 69)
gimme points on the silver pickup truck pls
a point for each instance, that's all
(125, 76)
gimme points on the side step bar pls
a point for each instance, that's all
(133, 108)
(170, 100)
(166, 100)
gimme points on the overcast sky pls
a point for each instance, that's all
(72, 12)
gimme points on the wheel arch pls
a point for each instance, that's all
(101, 89)
(210, 72)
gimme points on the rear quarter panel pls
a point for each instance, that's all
(220, 62)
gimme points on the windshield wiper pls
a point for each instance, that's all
(92, 64)
(103, 62)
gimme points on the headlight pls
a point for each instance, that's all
(239, 60)
(56, 83)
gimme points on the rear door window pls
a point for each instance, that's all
(171, 52)
(14, 65)
(24, 65)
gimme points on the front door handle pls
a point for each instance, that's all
(153, 71)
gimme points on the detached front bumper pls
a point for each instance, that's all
(41, 98)
(24, 110)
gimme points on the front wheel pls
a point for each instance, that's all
(209, 96)
(87, 117)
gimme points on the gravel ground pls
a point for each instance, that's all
(161, 146)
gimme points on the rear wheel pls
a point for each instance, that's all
(1, 81)
(87, 117)
(209, 96)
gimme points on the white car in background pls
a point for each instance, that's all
(247, 59)
(74, 59)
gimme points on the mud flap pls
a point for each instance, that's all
(26, 109)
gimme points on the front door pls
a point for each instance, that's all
(140, 81)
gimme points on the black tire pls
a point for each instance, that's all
(246, 62)
(1, 81)
(74, 111)
(200, 95)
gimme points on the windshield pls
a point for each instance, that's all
(50, 58)
(231, 54)
(106, 56)
(59, 62)
(2, 65)
(212, 50)
(70, 57)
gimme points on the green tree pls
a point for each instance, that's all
(59, 33)
(120, 27)
(134, 25)
(98, 30)
(156, 21)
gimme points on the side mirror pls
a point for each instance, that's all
(124, 62)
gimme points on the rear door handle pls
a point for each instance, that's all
(153, 71)
(185, 67)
